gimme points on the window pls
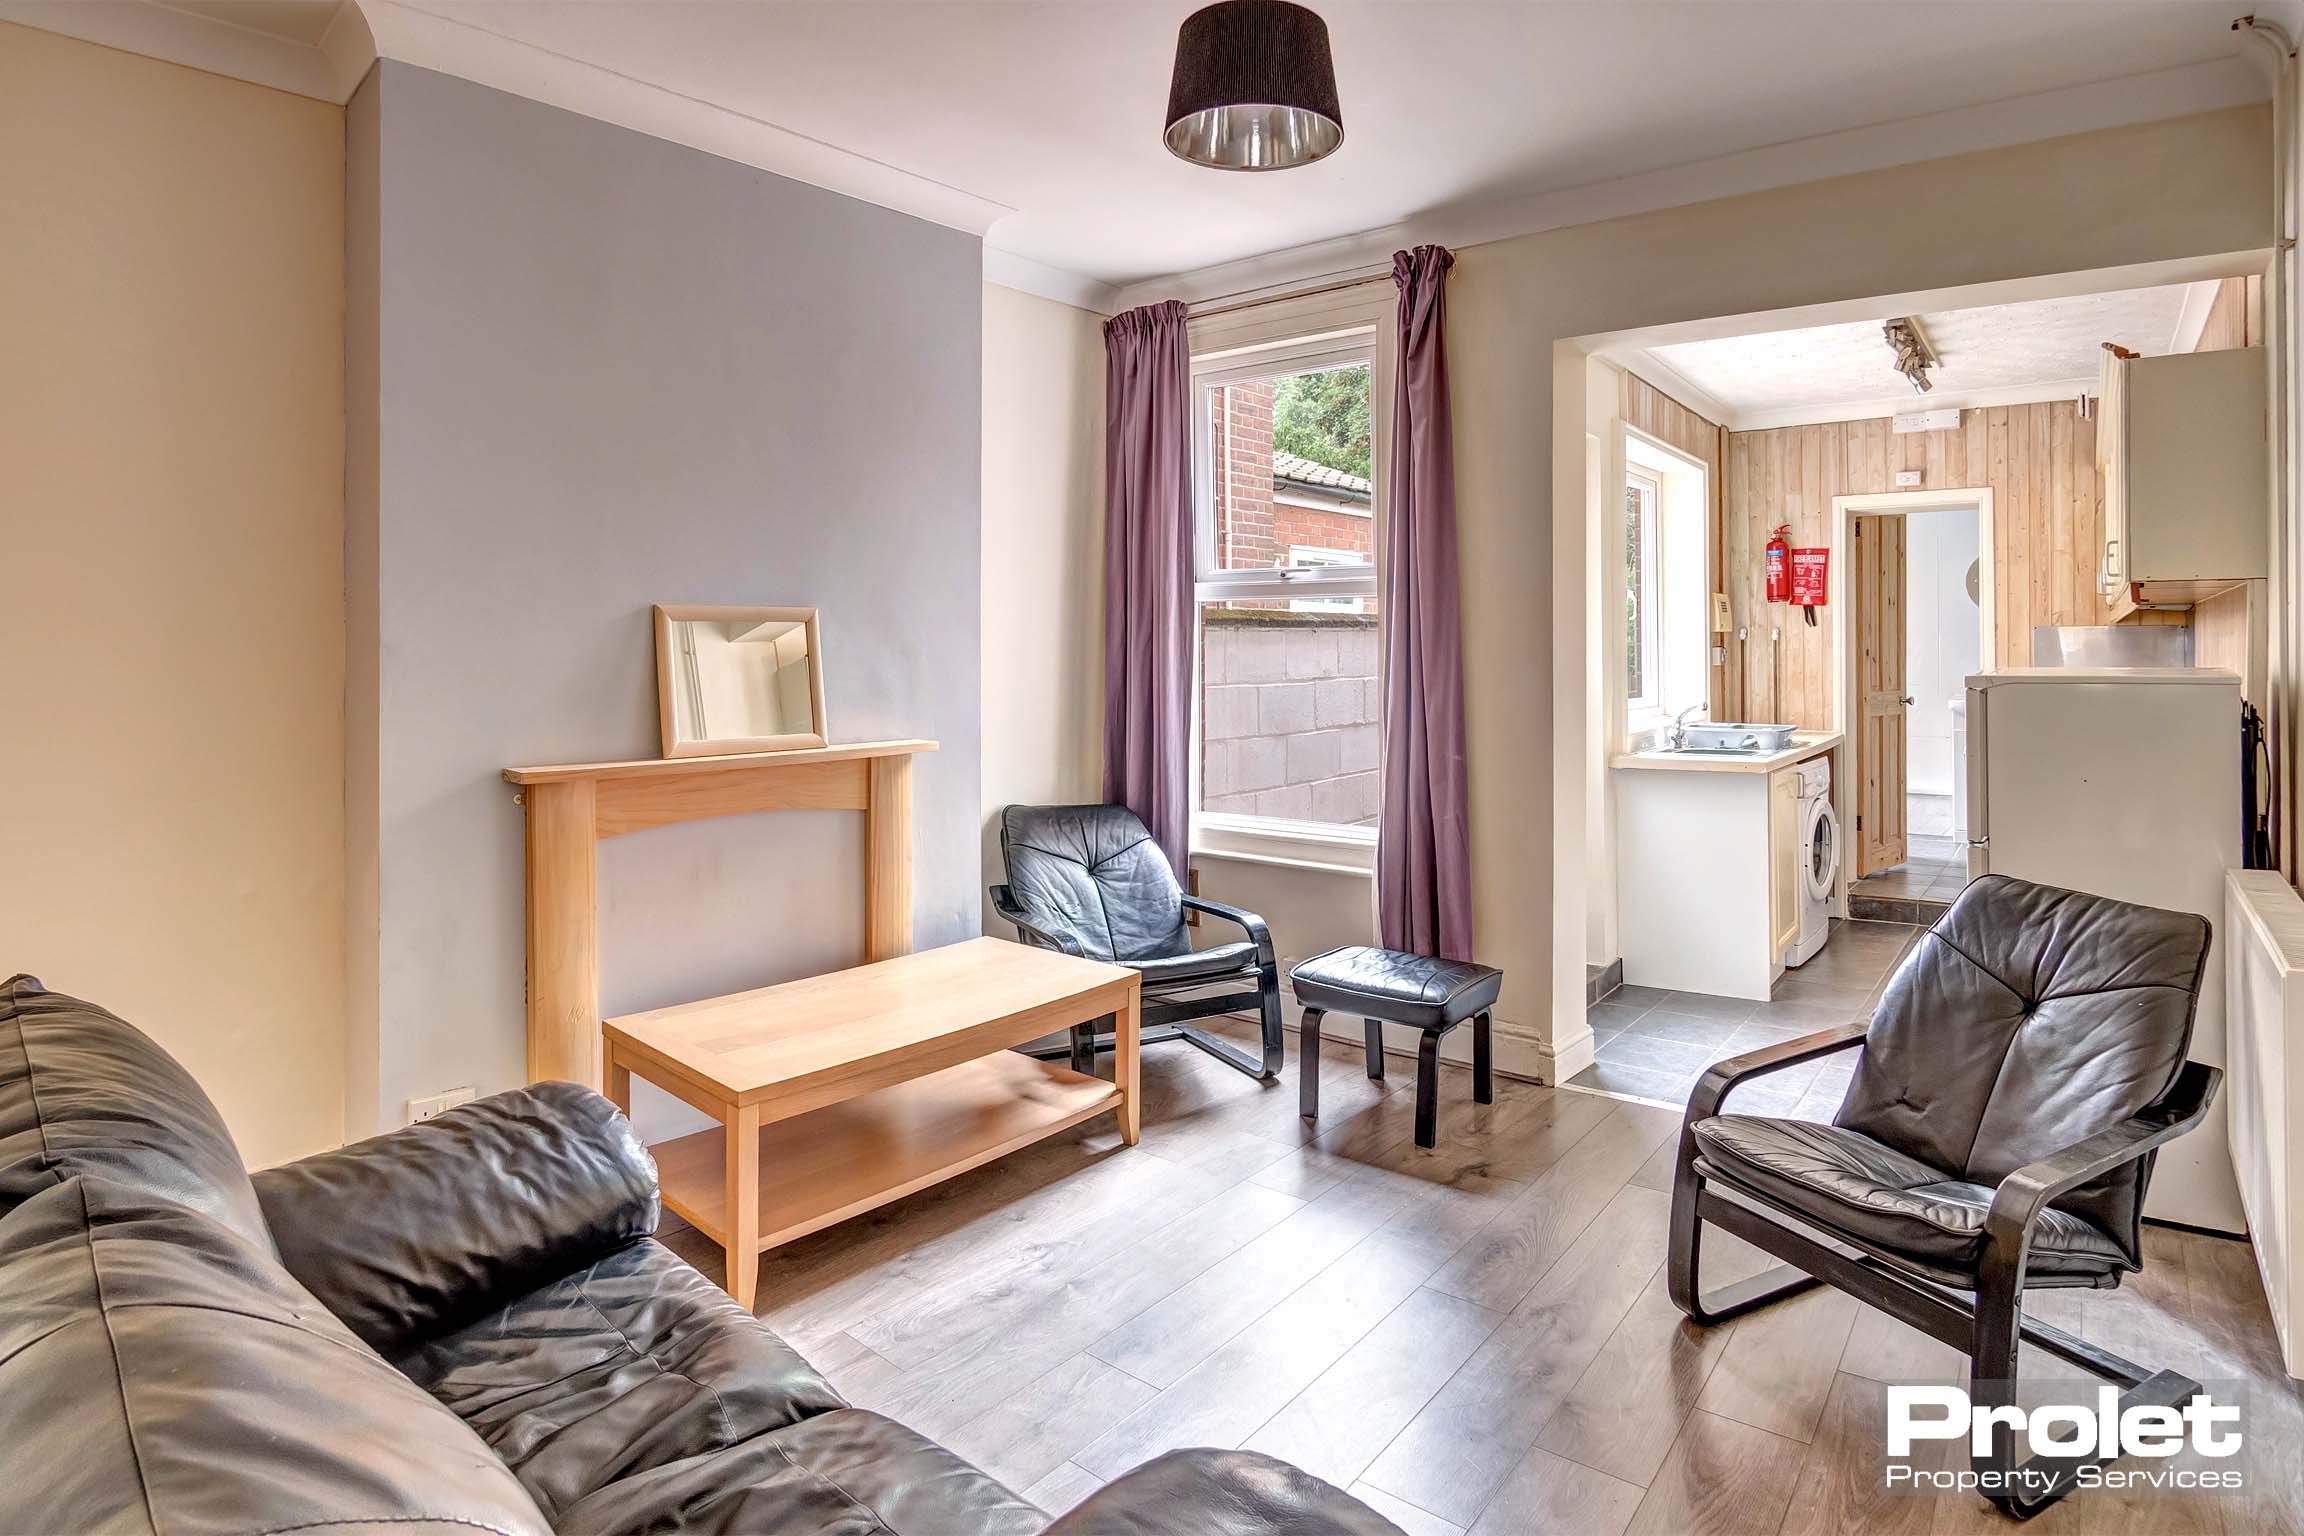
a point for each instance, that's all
(1284, 482)
(1643, 597)
(1285, 465)
(1665, 557)
(1305, 558)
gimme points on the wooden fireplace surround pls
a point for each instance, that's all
(571, 806)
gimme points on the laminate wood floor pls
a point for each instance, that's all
(1473, 1339)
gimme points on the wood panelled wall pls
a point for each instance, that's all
(2220, 634)
(2047, 510)
(1648, 409)
(2235, 319)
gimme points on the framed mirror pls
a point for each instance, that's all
(738, 680)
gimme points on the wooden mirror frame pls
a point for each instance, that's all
(729, 746)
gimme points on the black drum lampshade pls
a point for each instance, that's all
(1254, 89)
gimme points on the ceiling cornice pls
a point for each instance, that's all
(1659, 374)
(1897, 405)
(405, 30)
(1022, 273)
(158, 31)
(365, 30)
(412, 35)
(2177, 92)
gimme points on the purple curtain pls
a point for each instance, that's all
(1148, 571)
(1424, 844)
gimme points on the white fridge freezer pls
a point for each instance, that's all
(2124, 782)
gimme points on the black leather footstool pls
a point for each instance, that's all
(1385, 986)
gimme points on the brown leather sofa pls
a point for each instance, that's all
(462, 1326)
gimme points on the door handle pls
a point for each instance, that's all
(1907, 701)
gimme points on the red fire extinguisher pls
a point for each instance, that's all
(1779, 565)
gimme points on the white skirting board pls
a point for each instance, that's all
(2264, 1084)
(1520, 1052)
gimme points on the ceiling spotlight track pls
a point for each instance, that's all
(1914, 357)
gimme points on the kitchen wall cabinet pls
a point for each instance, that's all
(2180, 444)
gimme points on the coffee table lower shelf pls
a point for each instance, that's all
(839, 1161)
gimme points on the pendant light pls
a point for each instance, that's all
(1254, 88)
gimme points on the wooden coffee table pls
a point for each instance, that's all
(846, 1091)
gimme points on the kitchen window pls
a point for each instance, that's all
(1643, 595)
(1663, 550)
(1286, 760)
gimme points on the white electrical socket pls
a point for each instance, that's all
(438, 1103)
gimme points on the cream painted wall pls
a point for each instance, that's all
(171, 507)
(1043, 570)
(1309, 910)
(2034, 210)
(2057, 206)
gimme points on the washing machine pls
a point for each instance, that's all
(1819, 848)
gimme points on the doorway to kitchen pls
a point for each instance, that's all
(1806, 425)
(1916, 569)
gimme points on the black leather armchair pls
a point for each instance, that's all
(1998, 1136)
(1089, 880)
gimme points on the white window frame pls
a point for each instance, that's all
(1314, 355)
(1311, 557)
(1334, 332)
(1641, 701)
(1680, 580)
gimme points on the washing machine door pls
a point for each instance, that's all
(1820, 840)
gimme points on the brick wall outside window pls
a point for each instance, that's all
(1242, 445)
(1255, 530)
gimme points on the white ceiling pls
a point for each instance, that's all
(2039, 350)
(1053, 110)
(1037, 122)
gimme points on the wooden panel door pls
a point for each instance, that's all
(1880, 698)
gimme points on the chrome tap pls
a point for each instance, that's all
(1679, 736)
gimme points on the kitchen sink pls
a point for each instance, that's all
(1736, 737)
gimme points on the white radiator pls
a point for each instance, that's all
(2264, 1084)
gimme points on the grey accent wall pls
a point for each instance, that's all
(612, 371)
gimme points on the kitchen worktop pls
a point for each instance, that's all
(1805, 744)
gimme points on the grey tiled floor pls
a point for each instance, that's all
(1653, 1045)
(1937, 870)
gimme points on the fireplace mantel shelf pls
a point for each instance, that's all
(653, 767)
(571, 807)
